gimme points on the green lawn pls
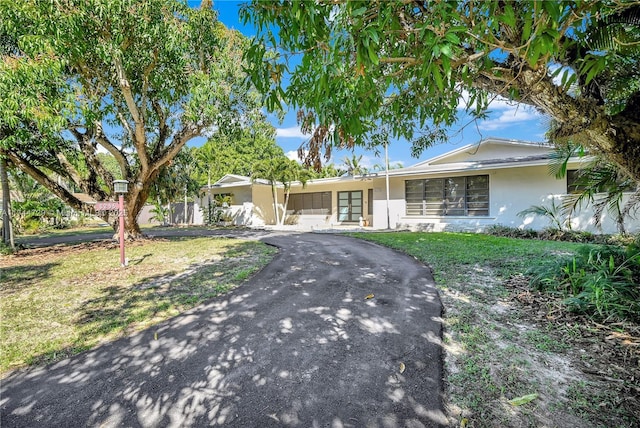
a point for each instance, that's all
(452, 254)
(498, 350)
(62, 300)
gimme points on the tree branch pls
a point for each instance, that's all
(44, 180)
(71, 171)
(95, 168)
(139, 136)
(120, 158)
(179, 140)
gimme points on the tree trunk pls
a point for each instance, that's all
(186, 207)
(7, 235)
(274, 193)
(284, 210)
(617, 137)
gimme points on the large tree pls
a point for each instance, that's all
(135, 78)
(236, 152)
(352, 66)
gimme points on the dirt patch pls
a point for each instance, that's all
(505, 342)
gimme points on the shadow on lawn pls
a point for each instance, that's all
(160, 296)
(298, 346)
(14, 279)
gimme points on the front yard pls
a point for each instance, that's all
(515, 357)
(61, 300)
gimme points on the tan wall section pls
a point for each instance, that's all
(334, 187)
(263, 212)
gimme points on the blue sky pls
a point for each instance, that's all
(505, 121)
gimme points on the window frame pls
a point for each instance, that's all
(315, 203)
(454, 196)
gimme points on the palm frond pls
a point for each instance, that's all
(560, 158)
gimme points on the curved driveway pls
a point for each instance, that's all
(297, 345)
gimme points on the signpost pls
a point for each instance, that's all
(120, 187)
(106, 206)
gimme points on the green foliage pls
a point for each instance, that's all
(160, 213)
(352, 68)
(354, 166)
(35, 216)
(5, 249)
(511, 232)
(236, 153)
(36, 210)
(280, 171)
(327, 171)
(602, 282)
(156, 73)
(554, 234)
(598, 183)
(553, 213)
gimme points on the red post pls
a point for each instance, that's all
(121, 209)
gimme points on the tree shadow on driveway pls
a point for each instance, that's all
(300, 344)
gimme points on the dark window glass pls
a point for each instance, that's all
(452, 196)
(309, 203)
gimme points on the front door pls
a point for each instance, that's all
(349, 206)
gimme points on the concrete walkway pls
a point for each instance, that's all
(298, 345)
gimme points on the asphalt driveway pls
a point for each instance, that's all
(335, 332)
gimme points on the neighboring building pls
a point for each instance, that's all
(469, 188)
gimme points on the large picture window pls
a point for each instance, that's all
(453, 196)
(309, 203)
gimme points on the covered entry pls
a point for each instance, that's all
(350, 206)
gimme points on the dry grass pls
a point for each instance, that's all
(61, 300)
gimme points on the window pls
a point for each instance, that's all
(370, 201)
(309, 203)
(453, 196)
(573, 182)
(578, 181)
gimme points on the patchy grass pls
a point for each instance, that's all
(61, 300)
(503, 343)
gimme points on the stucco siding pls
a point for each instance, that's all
(263, 212)
(315, 220)
(511, 190)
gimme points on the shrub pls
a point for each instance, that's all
(5, 249)
(511, 232)
(600, 281)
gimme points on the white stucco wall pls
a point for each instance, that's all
(512, 190)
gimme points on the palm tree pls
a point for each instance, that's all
(353, 165)
(598, 183)
(291, 173)
(553, 213)
(269, 170)
(280, 171)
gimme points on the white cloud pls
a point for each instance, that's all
(498, 103)
(293, 155)
(291, 132)
(508, 117)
